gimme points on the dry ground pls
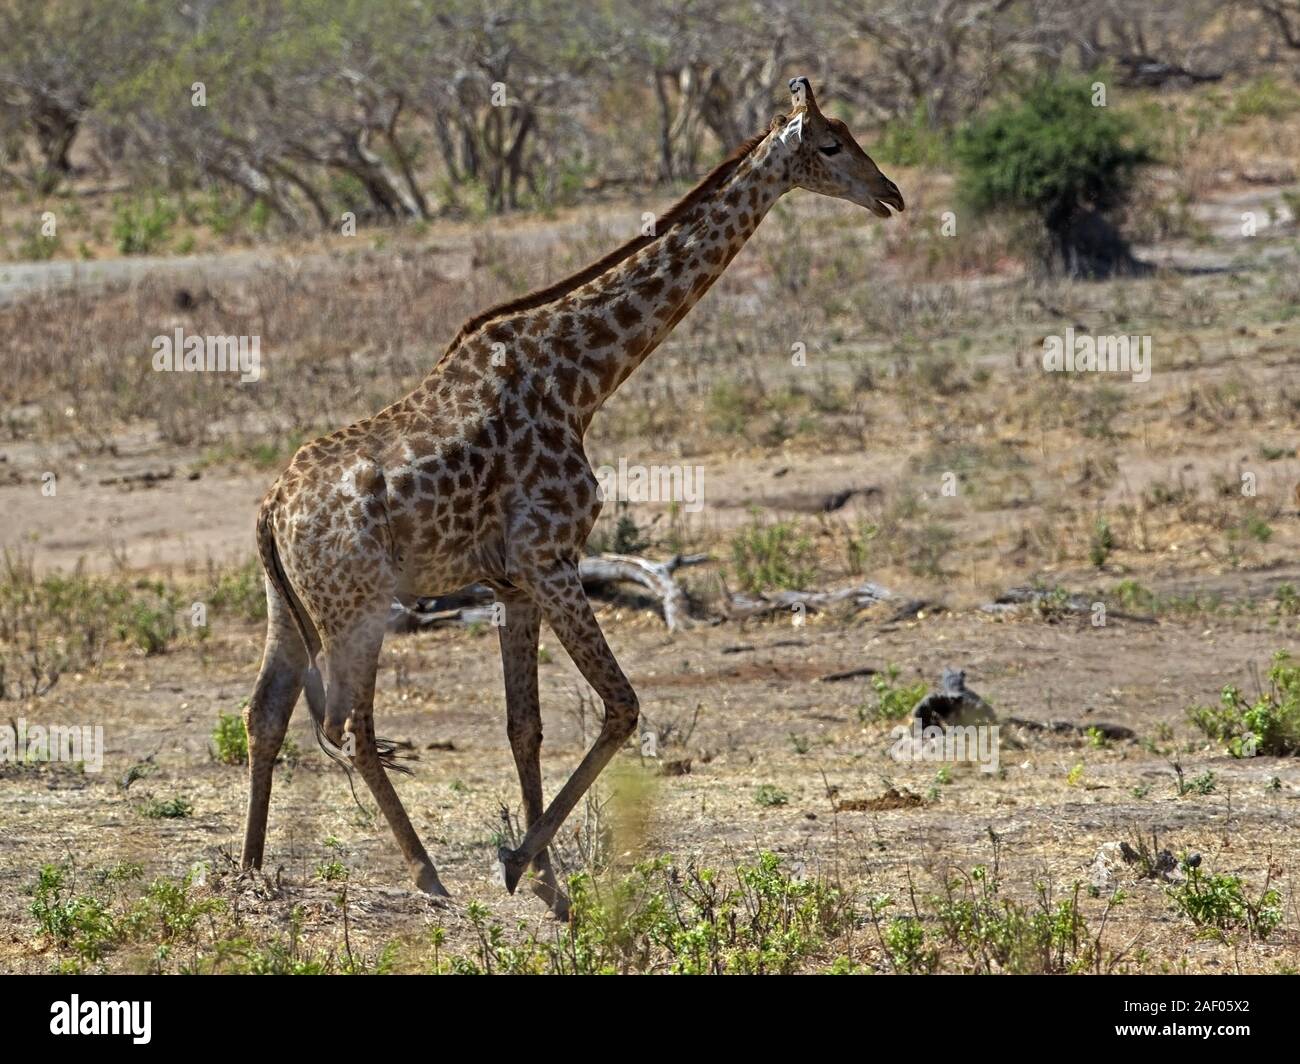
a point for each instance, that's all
(922, 362)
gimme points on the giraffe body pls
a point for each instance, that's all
(480, 475)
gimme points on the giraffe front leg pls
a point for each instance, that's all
(564, 604)
(518, 638)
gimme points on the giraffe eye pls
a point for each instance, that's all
(830, 149)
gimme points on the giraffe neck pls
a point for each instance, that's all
(633, 306)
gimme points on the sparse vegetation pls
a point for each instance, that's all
(1268, 724)
(176, 808)
(892, 701)
(230, 739)
(865, 399)
(772, 555)
(1222, 902)
(1058, 154)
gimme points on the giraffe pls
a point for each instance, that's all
(479, 475)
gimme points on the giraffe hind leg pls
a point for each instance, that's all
(266, 718)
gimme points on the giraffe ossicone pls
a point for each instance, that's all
(479, 475)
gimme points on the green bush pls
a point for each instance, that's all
(773, 555)
(1221, 902)
(893, 701)
(757, 919)
(230, 739)
(1048, 151)
(770, 795)
(167, 808)
(139, 229)
(1269, 725)
(1051, 153)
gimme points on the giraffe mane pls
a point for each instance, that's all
(541, 296)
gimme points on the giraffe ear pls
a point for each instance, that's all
(801, 96)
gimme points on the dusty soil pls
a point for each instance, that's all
(756, 709)
(745, 703)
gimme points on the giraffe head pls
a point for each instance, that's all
(828, 160)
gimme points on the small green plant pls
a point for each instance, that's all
(772, 556)
(230, 739)
(1205, 783)
(1257, 529)
(1133, 596)
(167, 808)
(1075, 776)
(769, 794)
(987, 932)
(79, 924)
(1221, 902)
(1097, 738)
(1053, 154)
(893, 701)
(755, 919)
(332, 871)
(906, 947)
(140, 228)
(1268, 724)
(627, 536)
(1101, 543)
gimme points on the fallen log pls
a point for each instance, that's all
(1052, 601)
(859, 597)
(474, 604)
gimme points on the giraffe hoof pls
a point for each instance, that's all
(512, 868)
(555, 899)
(427, 880)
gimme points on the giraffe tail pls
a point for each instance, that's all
(313, 685)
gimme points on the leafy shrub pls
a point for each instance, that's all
(893, 701)
(1269, 725)
(687, 921)
(230, 739)
(770, 795)
(167, 808)
(1053, 154)
(1220, 901)
(774, 555)
(1000, 934)
(139, 228)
